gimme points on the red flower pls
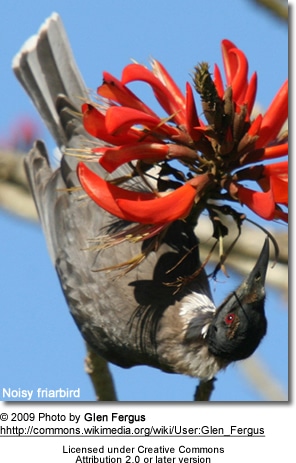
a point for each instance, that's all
(145, 208)
(218, 155)
(22, 134)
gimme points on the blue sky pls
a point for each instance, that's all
(39, 343)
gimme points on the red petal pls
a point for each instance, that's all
(278, 177)
(105, 194)
(162, 74)
(218, 81)
(95, 124)
(261, 154)
(240, 78)
(192, 120)
(250, 95)
(275, 117)
(114, 90)
(280, 190)
(277, 168)
(261, 203)
(166, 99)
(112, 158)
(255, 126)
(229, 61)
(173, 206)
(120, 118)
(276, 151)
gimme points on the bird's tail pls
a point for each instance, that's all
(46, 68)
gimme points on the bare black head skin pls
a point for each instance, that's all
(240, 323)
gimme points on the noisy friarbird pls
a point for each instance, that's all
(137, 318)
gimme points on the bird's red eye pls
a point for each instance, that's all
(229, 318)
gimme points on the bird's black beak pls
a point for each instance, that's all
(251, 292)
(240, 322)
(253, 286)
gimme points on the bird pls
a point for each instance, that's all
(137, 318)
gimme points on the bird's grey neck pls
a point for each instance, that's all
(185, 344)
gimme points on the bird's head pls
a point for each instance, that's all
(240, 323)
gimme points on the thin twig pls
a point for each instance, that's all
(204, 391)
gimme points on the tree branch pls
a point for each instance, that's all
(101, 378)
(15, 194)
(258, 375)
(277, 8)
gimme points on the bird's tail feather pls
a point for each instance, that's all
(46, 68)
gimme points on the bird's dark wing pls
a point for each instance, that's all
(132, 319)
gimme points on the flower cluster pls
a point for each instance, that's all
(220, 154)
